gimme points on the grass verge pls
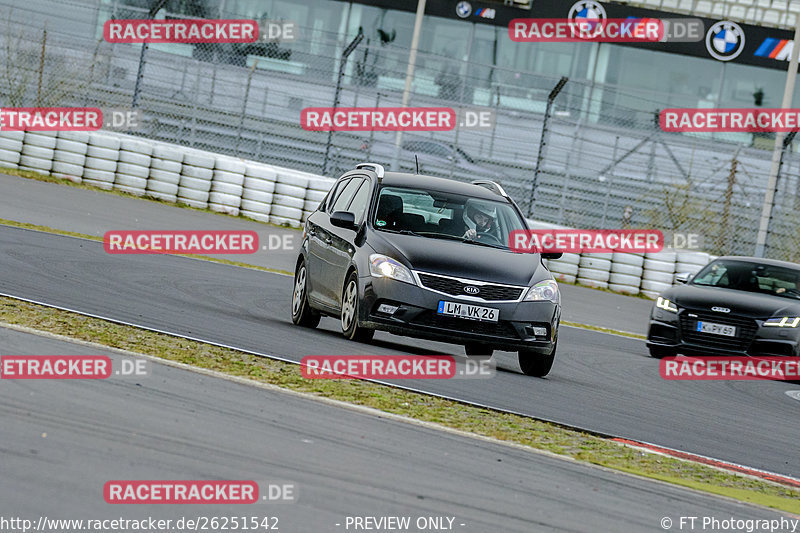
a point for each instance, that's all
(601, 329)
(505, 427)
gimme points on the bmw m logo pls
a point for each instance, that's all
(725, 40)
(463, 9)
(721, 309)
(471, 289)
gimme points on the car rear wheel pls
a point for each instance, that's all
(350, 327)
(660, 352)
(536, 364)
(476, 349)
(302, 314)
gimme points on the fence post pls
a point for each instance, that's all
(610, 181)
(140, 73)
(568, 176)
(372, 130)
(550, 98)
(345, 54)
(725, 243)
(764, 246)
(244, 106)
(41, 66)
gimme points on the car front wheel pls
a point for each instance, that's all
(302, 314)
(536, 364)
(350, 327)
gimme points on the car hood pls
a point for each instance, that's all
(741, 303)
(459, 259)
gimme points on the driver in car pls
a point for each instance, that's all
(485, 223)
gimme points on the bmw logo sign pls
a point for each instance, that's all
(588, 10)
(463, 9)
(725, 40)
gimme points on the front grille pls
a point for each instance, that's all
(490, 292)
(496, 329)
(745, 331)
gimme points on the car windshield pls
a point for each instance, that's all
(750, 277)
(445, 215)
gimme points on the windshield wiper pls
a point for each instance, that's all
(463, 239)
(481, 243)
(404, 232)
(445, 236)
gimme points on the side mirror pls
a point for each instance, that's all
(343, 219)
(683, 277)
(555, 255)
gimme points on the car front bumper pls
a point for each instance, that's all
(417, 316)
(669, 330)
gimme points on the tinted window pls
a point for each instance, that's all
(335, 190)
(443, 215)
(359, 204)
(750, 277)
(343, 199)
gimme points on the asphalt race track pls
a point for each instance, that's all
(94, 213)
(63, 440)
(600, 382)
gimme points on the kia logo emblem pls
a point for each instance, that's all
(469, 289)
(721, 309)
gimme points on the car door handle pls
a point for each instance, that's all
(327, 240)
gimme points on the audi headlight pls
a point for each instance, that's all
(381, 266)
(663, 303)
(544, 291)
(783, 321)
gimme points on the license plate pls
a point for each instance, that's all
(716, 329)
(472, 312)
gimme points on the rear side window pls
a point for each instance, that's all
(343, 198)
(337, 188)
(359, 204)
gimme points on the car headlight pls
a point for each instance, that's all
(544, 291)
(381, 266)
(783, 321)
(663, 303)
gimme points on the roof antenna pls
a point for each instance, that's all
(417, 160)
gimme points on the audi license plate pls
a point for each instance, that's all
(472, 312)
(716, 329)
